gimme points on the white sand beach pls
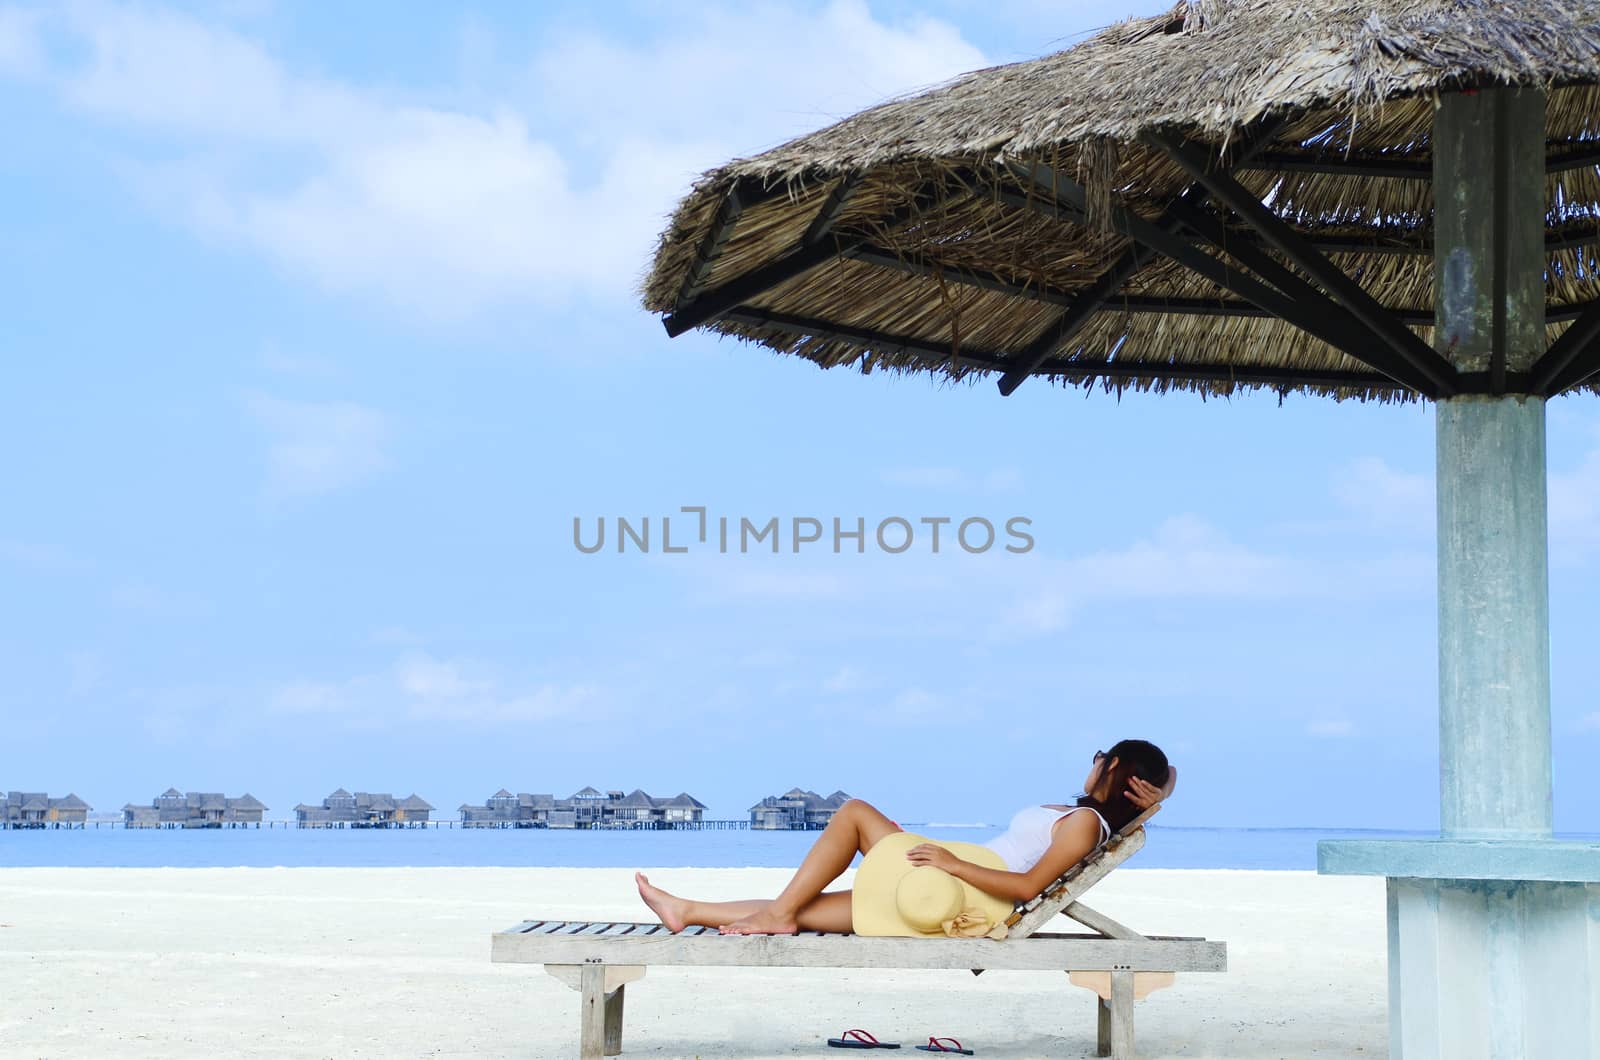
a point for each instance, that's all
(313, 963)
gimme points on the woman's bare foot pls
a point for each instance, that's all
(765, 922)
(672, 910)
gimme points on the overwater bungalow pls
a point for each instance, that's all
(796, 809)
(195, 809)
(681, 808)
(364, 810)
(505, 810)
(588, 808)
(35, 809)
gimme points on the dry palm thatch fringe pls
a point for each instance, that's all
(1352, 83)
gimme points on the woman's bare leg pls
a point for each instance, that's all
(678, 913)
(855, 828)
(827, 912)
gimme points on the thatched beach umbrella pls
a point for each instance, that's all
(1380, 201)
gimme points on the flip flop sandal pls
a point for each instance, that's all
(860, 1039)
(938, 1045)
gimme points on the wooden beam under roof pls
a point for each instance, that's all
(801, 259)
(1291, 244)
(1563, 155)
(1129, 263)
(1571, 358)
(1318, 317)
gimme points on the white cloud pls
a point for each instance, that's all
(426, 678)
(444, 210)
(1188, 558)
(751, 580)
(19, 43)
(295, 365)
(1385, 496)
(911, 704)
(850, 60)
(845, 679)
(420, 687)
(1185, 557)
(318, 447)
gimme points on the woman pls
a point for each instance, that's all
(1042, 843)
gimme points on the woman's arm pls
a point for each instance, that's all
(1073, 839)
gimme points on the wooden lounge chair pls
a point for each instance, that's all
(1119, 964)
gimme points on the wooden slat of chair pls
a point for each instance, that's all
(1076, 881)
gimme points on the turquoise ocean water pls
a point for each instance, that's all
(264, 847)
(107, 847)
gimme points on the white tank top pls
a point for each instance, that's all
(1024, 843)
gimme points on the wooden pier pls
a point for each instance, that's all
(39, 826)
(618, 826)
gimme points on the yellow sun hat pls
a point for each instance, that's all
(893, 896)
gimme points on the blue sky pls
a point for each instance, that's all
(321, 330)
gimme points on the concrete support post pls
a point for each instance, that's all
(1494, 620)
(1494, 610)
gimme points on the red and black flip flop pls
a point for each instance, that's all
(944, 1045)
(855, 1038)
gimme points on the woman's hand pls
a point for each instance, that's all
(1144, 794)
(932, 854)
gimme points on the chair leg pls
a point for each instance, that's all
(599, 988)
(1102, 1030)
(592, 1032)
(1121, 1015)
(614, 1021)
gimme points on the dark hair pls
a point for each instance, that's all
(1135, 758)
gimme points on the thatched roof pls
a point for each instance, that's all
(635, 800)
(910, 237)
